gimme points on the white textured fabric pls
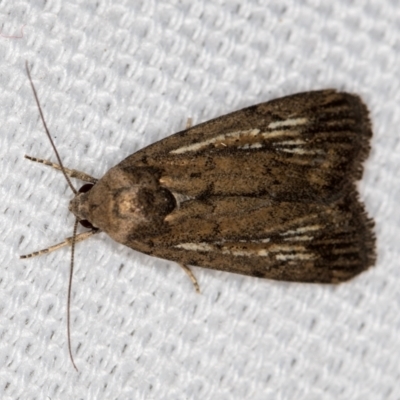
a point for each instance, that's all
(114, 76)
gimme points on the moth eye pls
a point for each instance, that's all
(85, 188)
(86, 224)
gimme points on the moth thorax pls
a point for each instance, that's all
(125, 203)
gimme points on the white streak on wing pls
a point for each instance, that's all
(302, 152)
(195, 246)
(206, 247)
(245, 253)
(197, 146)
(301, 256)
(216, 140)
(274, 134)
(290, 142)
(255, 241)
(302, 229)
(299, 238)
(308, 228)
(251, 146)
(288, 122)
(237, 252)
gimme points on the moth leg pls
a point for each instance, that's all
(192, 277)
(67, 242)
(189, 123)
(73, 173)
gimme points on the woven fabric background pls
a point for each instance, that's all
(114, 76)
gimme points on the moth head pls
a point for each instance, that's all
(125, 203)
(77, 210)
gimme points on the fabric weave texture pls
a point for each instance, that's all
(115, 76)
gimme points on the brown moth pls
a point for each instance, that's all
(267, 191)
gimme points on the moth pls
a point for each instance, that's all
(268, 191)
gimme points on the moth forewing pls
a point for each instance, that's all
(304, 242)
(303, 147)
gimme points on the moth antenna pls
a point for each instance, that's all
(67, 242)
(73, 173)
(71, 271)
(74, 236)
(47, 130)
